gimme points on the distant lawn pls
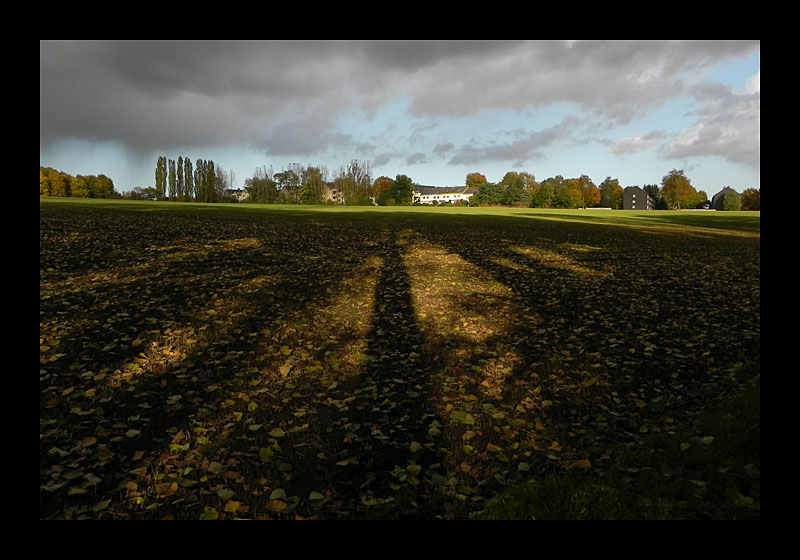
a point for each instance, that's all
(684, 219)
(223, 361)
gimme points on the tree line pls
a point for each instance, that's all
(522, 189)
(58, 183)
(352, 184)
(204, 181)
(183, 181)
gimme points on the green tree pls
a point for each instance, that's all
(188, 179)
(519, 188)
(161, 177)
(514, 189)
(383, 191)
(529, 185)
(489, 194)
(204, 178)
(179, 187)
(590, 194)
(304, 194)
(100, 186)
(57, 182)
(402, 190)
(751, 199)
(570, 195)
(287, 180)
(677, 189)
(611, 193)
(382, 186)
(172, 180)
(698, 199)
(732, 201)
(78, 187)
(313, 177)
(261, 187)
(210, 181)
(44, 182)
(200, 180)
(545, 194)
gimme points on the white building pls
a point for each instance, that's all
(441, 195)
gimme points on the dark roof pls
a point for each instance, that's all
(427, 190)
(717, 200)
(723, 191)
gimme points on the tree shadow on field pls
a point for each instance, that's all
(106, 410)
(286, 367)
(604, 332)
(384, 454)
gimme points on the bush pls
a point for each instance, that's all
(732, 201)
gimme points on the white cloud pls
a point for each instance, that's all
(728, 126)
(753, 85)
(636, 144)
(417, 157)
(529, 147)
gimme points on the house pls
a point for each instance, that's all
(718, 200)
(238, 194)
(429, 195)
(634, 198)
(332, 195)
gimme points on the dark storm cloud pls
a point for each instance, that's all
(308, 136)
(152, 95)
(147, 95)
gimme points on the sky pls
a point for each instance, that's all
(432, 110)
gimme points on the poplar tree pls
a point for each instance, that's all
(199, 180)
(180, 185)
(188, 179)
(172, 179)
(161, 177)
(211, 180)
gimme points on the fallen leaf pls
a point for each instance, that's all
(276, 505)
(209, 514)
(232, 506)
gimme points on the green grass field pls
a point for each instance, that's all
(206, 361)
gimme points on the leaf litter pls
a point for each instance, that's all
(240, 365)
